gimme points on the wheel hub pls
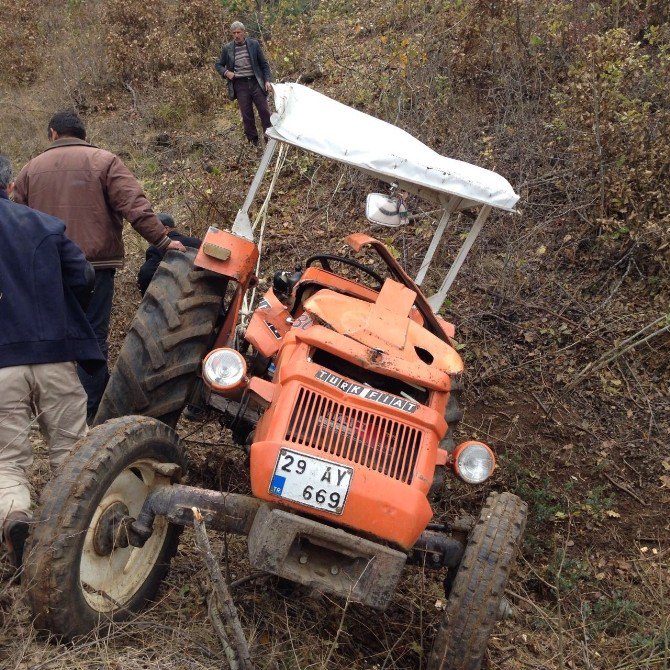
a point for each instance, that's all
(111, 529)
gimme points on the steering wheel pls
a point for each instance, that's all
(324, 260)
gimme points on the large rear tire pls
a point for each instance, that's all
(171, 332)
(474, 602)
(78, 577)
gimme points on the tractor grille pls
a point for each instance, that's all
(373, 441)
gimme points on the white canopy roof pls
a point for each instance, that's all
(312, 121)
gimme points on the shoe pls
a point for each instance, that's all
(15, 532)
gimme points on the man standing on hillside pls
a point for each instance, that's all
(92, 191)
(44, 284)
(244, 65)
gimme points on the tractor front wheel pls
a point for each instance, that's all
(80, 570)
(474, 601)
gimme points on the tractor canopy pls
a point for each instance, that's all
(317, 123)
(314, 122)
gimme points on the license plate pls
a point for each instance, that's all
(311, 481)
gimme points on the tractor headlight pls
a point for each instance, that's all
(474, 462)
(224, 369)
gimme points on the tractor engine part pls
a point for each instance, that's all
(269, 323)
(230, 512)
(351, 435)
(237, 416)
(436, 550)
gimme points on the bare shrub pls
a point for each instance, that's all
(168, 44)
(612, 116)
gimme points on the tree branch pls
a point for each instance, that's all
(225, 606)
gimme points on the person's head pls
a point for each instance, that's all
(66, 124)
(5, 174)
(166, 220)
(238, 31)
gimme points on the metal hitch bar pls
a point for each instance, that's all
(230, 512)
(235, 513)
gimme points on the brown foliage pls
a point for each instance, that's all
(612, 119)
(20, 54)
(569, 101)
(166, 44)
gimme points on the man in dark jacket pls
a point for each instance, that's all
(244, 65)
(153, 255)
(92, 191)
(44, 282)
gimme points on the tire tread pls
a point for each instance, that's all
(53, 549)
(474, 601)
(167, 339)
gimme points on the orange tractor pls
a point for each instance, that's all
(343, 392)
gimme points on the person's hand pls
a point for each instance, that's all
(175, 245)
(230, 75)
(268, 87)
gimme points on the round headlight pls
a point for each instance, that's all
(224, 369)
(474, 462)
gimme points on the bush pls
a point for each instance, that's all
(611, 118)
(169, 44)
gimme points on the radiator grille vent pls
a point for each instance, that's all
(373, 441)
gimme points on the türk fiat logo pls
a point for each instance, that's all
(366, 392)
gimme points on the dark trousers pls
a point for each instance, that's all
(248, 94)
(98, 313)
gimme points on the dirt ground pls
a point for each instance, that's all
(590, 589)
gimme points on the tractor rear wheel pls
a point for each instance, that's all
(80, 572)
(473, 605)
(171, 332)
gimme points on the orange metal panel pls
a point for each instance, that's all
(448, 328)
(436, 325)
(323, 278)
(262, 388)
(240, 255)
(269, 323)
(393, 451)
(397, 340)
(381, 507)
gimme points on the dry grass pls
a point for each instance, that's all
(574, 606)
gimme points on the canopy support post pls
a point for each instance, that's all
(451, 207)
(436, 301)
(242, 225)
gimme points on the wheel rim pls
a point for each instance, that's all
(108, 582)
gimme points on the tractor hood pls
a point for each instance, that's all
(385, 326)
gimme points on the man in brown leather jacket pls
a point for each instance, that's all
(92, 191)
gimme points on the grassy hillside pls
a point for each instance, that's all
(562, 310)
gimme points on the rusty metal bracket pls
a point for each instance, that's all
(436, 550)
(329, 559)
